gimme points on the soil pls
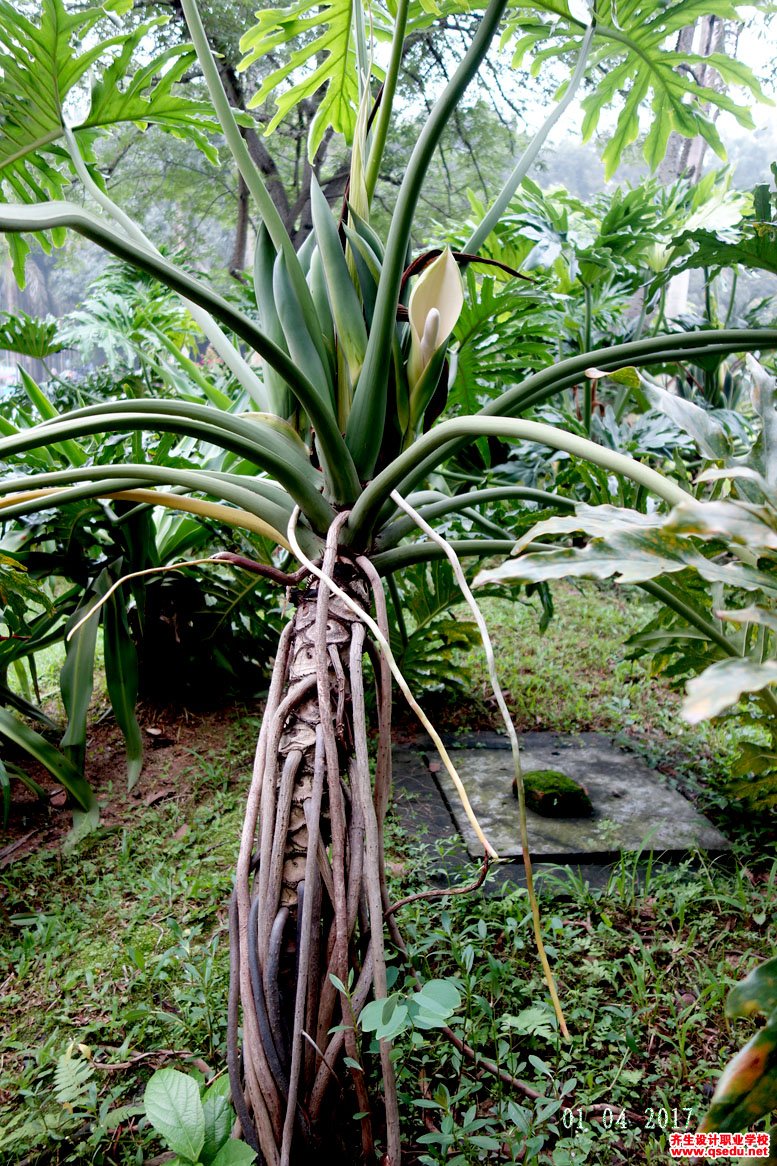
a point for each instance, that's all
(171, 738)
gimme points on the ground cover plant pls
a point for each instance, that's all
(146, 990)
(122, 948)
(328, 462)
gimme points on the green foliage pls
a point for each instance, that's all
(632, 63)
(71, 1080)
(145, 972)
(196, 1126)
(508, 1020)
(340, 363)
(431, 1007)
(45, 64)
(652, 436)
(752, 243)
(173, 1106)
(127, 321)
(325, 36)
(17, 589)
(25, 610)
(747, 1088)
(428, 652)
(590, 263)
(729, 543)
(59, 766)
(505, 331)
(29, 336)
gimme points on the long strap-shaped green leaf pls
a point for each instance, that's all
(104, 479)
(223, 346)
(121, 680)
(368, 412)
(282, 454)
(122, 417)
(380, 131)
(55, 762)
(653, 349)
(250, 174)
(542, 385)
(206, 481)
(340, 470)
(401, 527)
(365, 512)
(422, 552)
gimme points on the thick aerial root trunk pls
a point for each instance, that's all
(306, 919)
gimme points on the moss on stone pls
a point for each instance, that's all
(554, 795)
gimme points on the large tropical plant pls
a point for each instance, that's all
(342, 430)
(715, 559)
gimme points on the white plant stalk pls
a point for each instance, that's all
(511, 733)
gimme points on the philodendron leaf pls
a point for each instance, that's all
(732, 522)
(48, 57)
(754, 614)
(708, 434)
(632, 61)
(28, 335)
(173, 1107)
(756, 993)
(592, 520)
(723, 683)
(743, 473)
(747, 1088)
(628, 557)
(324, 58)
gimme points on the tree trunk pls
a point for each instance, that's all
(310, 892)
(238, 261)
(684, 157)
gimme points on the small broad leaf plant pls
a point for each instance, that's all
(195, 1123)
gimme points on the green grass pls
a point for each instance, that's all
(120, 947)
(574, 676)
(643, 968)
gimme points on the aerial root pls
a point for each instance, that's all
(306, 927)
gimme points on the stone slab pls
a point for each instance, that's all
(633, 809)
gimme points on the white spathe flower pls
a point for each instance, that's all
(435, 306)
